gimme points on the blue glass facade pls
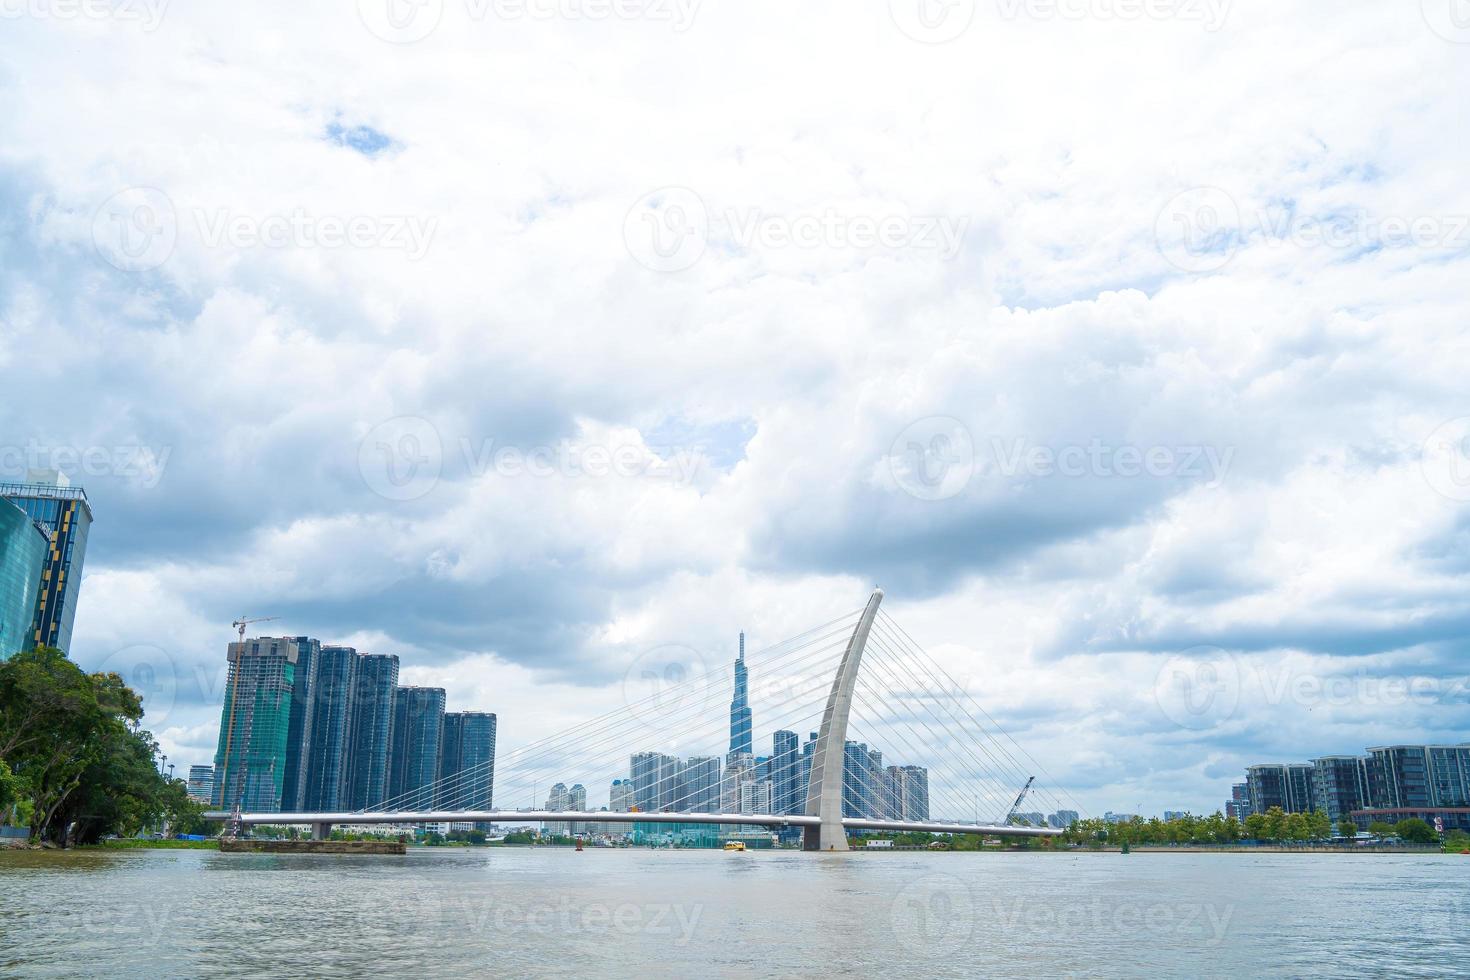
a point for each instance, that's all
(65, 515)
(328, 773)
(418, 732)
(372, 730)
(23, 551)
(467, 761)
(298, 741)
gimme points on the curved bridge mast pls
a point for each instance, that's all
(829, 757)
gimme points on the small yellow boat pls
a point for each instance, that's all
(735, 845)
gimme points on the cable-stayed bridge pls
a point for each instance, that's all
(859, 683)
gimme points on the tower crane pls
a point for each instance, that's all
(1020, 798)
(243, 622)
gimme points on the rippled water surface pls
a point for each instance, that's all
(516, 912)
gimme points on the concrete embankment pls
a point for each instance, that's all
(252, 846)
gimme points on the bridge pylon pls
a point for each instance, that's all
(829, 757)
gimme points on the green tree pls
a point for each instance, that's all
(72, 742)
(1381, 829)
(1346, 828)
(1416, 831)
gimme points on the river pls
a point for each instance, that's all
(604, 912)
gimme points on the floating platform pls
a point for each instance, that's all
(248, 845)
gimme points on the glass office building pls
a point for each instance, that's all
(372, 730)
(328, 772)
(418, 732)
(467, 761)
(24, 548)
(250, 762)
(65, 517)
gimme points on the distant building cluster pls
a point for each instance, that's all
(314, 728)
(1388, 784)
(44, 524)
(744, 782)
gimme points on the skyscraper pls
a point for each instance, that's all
(24, 551)
(328, 773)
(200, 787)
(785, 772)
(740, 722)
(467, 761)
(65, 516)
(699, 785)
(654, 778)
(250, 761)
(298, 738)
(418, 729)
(372, 730)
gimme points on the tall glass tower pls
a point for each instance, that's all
(250, 761)
(740, 738)
(63, 514)
(24, 549)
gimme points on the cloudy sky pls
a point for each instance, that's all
(1123, 344)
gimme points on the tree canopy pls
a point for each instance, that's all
(73, 759)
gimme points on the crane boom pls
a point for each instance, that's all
(1020, 798)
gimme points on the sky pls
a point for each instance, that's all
(1123, 344)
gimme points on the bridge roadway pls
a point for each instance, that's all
(327, 820)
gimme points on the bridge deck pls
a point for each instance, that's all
(603, 816)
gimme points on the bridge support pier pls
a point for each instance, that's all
(829, 758)
(321, 831)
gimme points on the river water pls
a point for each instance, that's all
(603, 912)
